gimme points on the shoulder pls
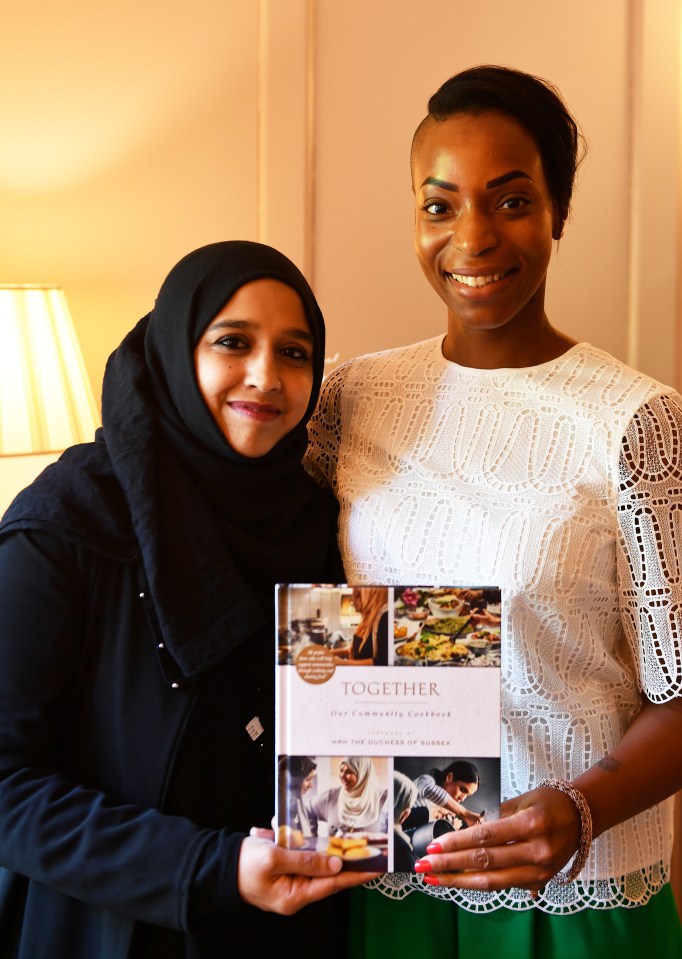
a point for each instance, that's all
(383, 362)
(40, 566)
(79, 500)
(42, 552)
(594, 369)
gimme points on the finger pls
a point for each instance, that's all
(497, 832)
(526, 864)
(481, 858)
(301, 862)
(523, 877)
(260, 833)
(537, 853)
(321, 888)
(258, 853)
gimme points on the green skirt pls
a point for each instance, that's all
(419, 925)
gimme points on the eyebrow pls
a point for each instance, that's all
(497, 181)
(296, 331)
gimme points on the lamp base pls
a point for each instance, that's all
(16, 472)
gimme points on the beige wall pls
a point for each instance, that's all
(131, 136)
(614, 279)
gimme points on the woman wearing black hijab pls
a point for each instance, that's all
(137, 637)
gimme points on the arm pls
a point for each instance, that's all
(348, 655)
(342, 655)
(542, 826)
(539, 831)
(380, 657)
(440, 797)
(644, 769)
(68, 834)
(466, 815)
(60, 829)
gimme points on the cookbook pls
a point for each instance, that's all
(388, 706)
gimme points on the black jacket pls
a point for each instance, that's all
(93, 717)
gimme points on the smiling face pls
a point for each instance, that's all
(307, 783)
(349, 779)
(484, 222)
(254, 366)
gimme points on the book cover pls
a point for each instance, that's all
(388, 718)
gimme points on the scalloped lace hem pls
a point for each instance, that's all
(629, 891)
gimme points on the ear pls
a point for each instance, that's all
(559, 218)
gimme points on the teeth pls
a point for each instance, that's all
(477, 280)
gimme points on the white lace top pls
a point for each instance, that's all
(561, 483)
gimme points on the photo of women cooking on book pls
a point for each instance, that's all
(342, 810)
(455, 793)
(351, 621)
(429, 804)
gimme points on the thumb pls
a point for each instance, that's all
(305, 863)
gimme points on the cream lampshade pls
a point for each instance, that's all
(46, 402)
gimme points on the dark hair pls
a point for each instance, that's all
(535, 103)
(462, 771)
(297, 767)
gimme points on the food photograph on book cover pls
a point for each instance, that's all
(374, 760)
(455, 626)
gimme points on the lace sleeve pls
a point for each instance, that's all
(650, 555)
(324, 430)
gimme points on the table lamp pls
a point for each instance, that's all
(46, 401)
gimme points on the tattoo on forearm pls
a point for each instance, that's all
(610, 764)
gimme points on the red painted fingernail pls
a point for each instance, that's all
(432, 880)
(434, 849)
(422, 865)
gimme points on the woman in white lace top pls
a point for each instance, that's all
(504, 452)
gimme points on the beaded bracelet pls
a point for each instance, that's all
(580, 858)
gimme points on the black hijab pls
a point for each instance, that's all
(215, 530)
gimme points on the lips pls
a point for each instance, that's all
(258, 411)
(480, 280)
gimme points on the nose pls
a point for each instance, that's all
(262, 371)
(474, 233)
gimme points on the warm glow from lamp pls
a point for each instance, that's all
(46, 402)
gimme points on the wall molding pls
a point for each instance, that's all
(286, 129)
(654, 333)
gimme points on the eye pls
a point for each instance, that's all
(435, 207)
(231, 341)
(298, 353)
(515, 203)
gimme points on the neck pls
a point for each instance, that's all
(506, 347)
